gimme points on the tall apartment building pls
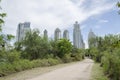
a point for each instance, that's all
(77, 36)
(57, 34)
(21, 30)
(66, 34)
(91, 39)
(45, 34)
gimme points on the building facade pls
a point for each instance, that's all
(45, 34)
(66, 34)
(91, 39)
(22, 29)
(57, 34)
(77, 37)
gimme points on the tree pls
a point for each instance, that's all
(2, 15)
(18, 46)
(92, 42)
(64, 47)
(34, 46)
(31, 45)
(118, 4)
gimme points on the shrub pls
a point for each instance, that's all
(22, 65)
(52, 61)
(13, 56)
(45, 62)
(40, 63)
(6, 68)
(63, 46)
(111, 64)
(67, 58)
(77, 56)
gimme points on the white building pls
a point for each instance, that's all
(77, 37)
(66, 34)
(45, 34)
(91, 39)
(57, 34)
(21, 30)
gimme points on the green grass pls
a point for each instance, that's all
(97, 73)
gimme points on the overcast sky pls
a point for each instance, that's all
(99, 15)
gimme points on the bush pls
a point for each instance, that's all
(22, 65)
(63, 46)
(13, 56)
(111, 64)
(6, 68)
(77, 56)
(45, 62)
(40, 63)
(67, 58)
(52, 61)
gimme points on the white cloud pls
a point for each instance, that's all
(103, 21)
(50, 14)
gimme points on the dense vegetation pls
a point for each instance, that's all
(107, 52)
(36, 51)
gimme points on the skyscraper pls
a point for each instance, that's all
(21, 30)
(66, 34)
(45, 34)
(91, 39)
(57, 34)
(77, 37)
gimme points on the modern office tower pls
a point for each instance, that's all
(57, 34)
(45, 34)
(91, 39)
(77, 37)
(22, 30)
(66, 34)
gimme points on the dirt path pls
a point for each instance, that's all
(78, 71)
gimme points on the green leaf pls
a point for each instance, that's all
(1, 21)
(118, 4)
(2, 14)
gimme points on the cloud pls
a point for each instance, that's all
(100, 22)
(50, 14)
(103, 21)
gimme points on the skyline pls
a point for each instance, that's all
(98, 15)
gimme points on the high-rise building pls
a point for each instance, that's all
(45, 34)
(77, 37)
(66, 34)
(91, 39)
(57, 34)
(21, 30)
